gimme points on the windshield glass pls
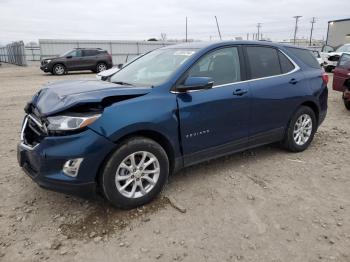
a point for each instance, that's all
(344, 48)
(153, 68)
(66, 53)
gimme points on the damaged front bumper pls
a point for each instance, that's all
(44, 161)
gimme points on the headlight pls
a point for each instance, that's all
(64, 123)
(48, 61)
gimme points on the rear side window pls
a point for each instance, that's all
(306, 56)
(286, 64)
(263, 61)
(90, 52)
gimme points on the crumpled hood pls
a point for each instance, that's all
(59, 96)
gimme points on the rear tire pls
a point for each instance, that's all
(59, 69)
(346, 104)
(301, 130)
(101, 67)
(328, 69)
(127, 181)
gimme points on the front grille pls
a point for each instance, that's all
(32, 131)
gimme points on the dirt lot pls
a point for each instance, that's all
(264, 204)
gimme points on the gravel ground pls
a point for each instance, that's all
(264, 204)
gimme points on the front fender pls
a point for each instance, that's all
(151, 112)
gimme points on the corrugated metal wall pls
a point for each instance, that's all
(121, 51)
(32, 53)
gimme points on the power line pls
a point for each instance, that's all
(312, 28)
(296, 26)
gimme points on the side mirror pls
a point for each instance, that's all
(195, 83)
(120, 66)
(69, 56)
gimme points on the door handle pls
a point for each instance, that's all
(239, 92)
(293, 81)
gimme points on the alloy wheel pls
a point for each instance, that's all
(137, 174)
(302, 129)
(101, 67)
(59, 70)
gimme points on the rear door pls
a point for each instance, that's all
(341, 73)
(216, 121)
(89, 58)
(275, 87)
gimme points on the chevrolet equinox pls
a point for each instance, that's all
(171, 108)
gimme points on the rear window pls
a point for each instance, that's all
(305, 55)
(263, 61)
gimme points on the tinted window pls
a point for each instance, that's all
(222, 65)
(286, 64)
(90, 52)
(75, 53)
(306, 56)
(344, 61)
(263, 61)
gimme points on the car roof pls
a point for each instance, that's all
(87, 48)
(213, 44)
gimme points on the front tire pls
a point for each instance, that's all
(328, 69)
(59, 69)
(135, 173)
(301, 130)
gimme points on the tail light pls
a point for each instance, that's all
(109, 56)
(325, 78)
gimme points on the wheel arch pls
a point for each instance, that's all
(158, 137)
(314, 108)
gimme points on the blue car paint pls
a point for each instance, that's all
(197, 126)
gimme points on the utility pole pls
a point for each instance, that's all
(186, 28)
(258, 26)
(217, 25)
(312, 29)
(296, 26)
(247, 36)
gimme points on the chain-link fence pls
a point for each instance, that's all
(13, 53)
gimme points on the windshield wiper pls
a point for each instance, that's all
(122, 83)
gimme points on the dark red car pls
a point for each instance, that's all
(341, 78)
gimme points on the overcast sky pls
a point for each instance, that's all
(30, 20)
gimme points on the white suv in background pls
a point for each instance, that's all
(331, 57)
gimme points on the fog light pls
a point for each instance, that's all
(71, 167)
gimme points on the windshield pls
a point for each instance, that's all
(153, 68)
(66, 53)
(344, 48)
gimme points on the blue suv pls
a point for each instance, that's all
(170, 108)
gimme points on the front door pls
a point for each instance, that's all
(216, 121)
(73, 60)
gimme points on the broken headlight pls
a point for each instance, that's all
(66, 123)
